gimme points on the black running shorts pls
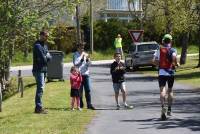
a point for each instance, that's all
(162, 80)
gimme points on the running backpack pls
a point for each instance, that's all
(166, 58)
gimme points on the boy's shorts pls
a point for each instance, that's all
(119, 86)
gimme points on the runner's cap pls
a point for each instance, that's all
(167, 36)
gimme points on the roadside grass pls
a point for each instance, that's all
(106, 54)
(191, 49)
(17, 116)
(186, 74)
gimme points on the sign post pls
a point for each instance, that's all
(136, 34)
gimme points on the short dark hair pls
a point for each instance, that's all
(44, 33)
(73, 68)
(81, 45)
(166, 41)
(117, 54)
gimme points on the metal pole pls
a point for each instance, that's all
(91, 28)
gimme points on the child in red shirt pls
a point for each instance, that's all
(75, 81)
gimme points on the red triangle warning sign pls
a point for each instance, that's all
(136, 34)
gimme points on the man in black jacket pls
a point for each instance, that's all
(40, 58)
(117, 71)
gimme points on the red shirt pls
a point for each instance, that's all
(75, 80)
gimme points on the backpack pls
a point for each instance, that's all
(166, 57)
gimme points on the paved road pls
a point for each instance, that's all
(143, 93)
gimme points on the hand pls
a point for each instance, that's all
(48, 56)
(87, 59)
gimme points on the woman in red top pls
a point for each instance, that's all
(75, 81)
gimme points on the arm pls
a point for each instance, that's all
(77, 60)
(40, 53)
(155, 60)
(112, 68)
(174, 59)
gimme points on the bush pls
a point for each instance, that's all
(106, 32)
(11, 89)
(64, 38)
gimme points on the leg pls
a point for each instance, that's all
(170, 93)
(123, 90)
(78, 102)
(87, 88)
(72, 103)
(40, 80)
(81, 94)
(124, 93)
(162, 96)
(116, 88)
(162, 83)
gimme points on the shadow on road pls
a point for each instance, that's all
(186, 109)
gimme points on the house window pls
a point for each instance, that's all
(122, 5)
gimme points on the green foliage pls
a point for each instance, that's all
(106, 32)
(64, 38)
(10, 89)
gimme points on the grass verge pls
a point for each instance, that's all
(107, 54)
(187, 74)
(17, 116)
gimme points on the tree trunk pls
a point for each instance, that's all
(169, 24)
(26, 52)
(78, 25)
(185, 39)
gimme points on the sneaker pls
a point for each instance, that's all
(163, 114)
(41, 111)
(163, 117)
(80, 109)
(118, 106)
(128, 106)
(169, 113)
(72, 109)
(91, 107)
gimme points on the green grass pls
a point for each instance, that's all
(186, 74)
(191, 49)
(17, 116)
(107, 54)
(18, 59)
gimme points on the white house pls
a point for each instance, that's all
(119, 9)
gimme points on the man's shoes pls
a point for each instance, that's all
(118, 107)
(163, 114)
(41, 111)
(128, 106)
(91, 107)
(169, 113)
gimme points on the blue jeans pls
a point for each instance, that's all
(86, 85)
(40, 81)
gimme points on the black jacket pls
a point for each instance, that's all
(40, 57)
(117, 75)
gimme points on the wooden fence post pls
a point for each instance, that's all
(20, 83)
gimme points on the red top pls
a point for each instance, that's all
(75, 80)
(164, 62)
